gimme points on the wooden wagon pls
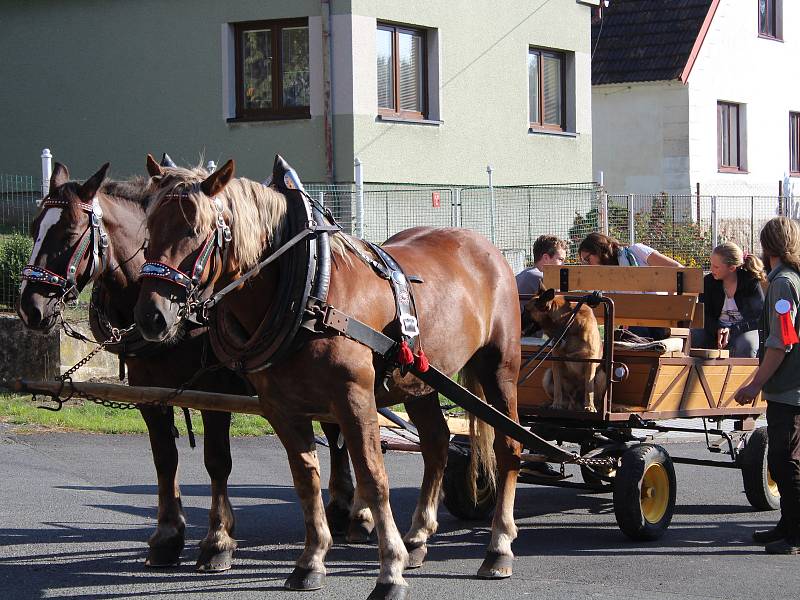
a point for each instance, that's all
(649, 390)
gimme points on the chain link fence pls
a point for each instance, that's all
(512, 217)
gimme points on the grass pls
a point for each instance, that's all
(89, 417)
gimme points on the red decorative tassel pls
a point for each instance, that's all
(788, 332)
(421, 362)
(404, 354)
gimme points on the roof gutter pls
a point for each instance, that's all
(698, 43)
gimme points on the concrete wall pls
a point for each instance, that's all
(641, 137)
(41, 357)
(481, 92)
(735, 65)
(97, 81)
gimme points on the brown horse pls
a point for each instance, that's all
(57, 230)
(469, 319)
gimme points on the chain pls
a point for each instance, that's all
(608, 461)
(116, 337)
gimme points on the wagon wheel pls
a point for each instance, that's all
(760, 489)
(644, 492)
(590, 473)
(457, 497)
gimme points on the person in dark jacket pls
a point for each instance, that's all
(733, 299)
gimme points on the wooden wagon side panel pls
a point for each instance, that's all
(669, 387)
(738, 376)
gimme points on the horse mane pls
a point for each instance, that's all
(133, 189)
(259, 211)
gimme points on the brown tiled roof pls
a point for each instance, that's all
(645, 40)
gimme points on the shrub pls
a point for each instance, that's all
(15, 252)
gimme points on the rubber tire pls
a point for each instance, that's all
(755, 473)
(628, 489)
(588, 476)
(456, 491)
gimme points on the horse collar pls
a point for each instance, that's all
(94, 236)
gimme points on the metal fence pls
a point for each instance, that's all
(684, 227)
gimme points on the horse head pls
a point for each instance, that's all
(188, 227)
(66, 235)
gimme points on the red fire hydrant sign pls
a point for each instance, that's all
(436, 200)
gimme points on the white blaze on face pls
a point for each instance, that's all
(50, 218)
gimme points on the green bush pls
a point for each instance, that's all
(15, 252)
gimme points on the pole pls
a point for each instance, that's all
(322, 199)
(47, 170)
(714, 223)
(211, 166)
(603, 208)
(489, 170)
(631, 222)
(359, 224)
(752, 224)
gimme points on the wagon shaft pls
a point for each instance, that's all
(144, 395)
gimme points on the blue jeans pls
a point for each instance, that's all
(741, 344)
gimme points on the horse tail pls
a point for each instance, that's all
(482, 462)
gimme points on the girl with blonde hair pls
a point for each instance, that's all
(733, 299)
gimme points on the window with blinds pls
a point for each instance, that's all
(400, 53)
(730, 132)
(794, 143)
(546, 84)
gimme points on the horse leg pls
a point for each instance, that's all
(433, 437)
(359, 422)
(361, 522)
(340, 483)
(167, 542)
(297, 438)
(499, 385)
(216, 549)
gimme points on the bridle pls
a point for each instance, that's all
(216, 244)
(94, 238)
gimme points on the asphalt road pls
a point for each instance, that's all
(75, 511)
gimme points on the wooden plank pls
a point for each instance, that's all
(650, 310)
(669, 386)
(631, 279)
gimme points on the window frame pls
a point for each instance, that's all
(794, 150)
(740, 166)
(541, 125)
(774, 19)
(395, 112)
(278, 110)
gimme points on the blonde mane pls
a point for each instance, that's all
(256, 213)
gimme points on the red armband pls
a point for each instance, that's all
(788, 333)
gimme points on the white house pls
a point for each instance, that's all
(689, 92)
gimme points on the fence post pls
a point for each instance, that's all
(359, 224)
(322, 199)
(631, 228)
(714, 223)
(752, 223)
(455, 205)
(47, 170)
(211, 166)
(781, 208)
(603, 211)
(489, 170)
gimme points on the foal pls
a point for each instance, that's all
(56, 231)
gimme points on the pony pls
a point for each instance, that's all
(65, 216)
(469, 319)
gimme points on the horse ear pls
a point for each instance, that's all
(217, 181)
(88, 190)
(153, 168)
(547, 295)
(166, 161)
(59, 177)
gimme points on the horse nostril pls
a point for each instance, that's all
(155, 319)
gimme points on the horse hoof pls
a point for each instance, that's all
(496, 566)
(389, 591)
(304, 580)
(359, 532)
(338, 519)
(416, 556)
(163, 557)
(214, 561)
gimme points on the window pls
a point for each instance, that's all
(730, 133)
(272, 75)
(546, 89)
(401, 71)
(770, 19)
(794, 144)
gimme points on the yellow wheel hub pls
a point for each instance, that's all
(771, 485)
(655, 493)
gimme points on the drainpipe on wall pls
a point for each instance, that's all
(327, 85)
